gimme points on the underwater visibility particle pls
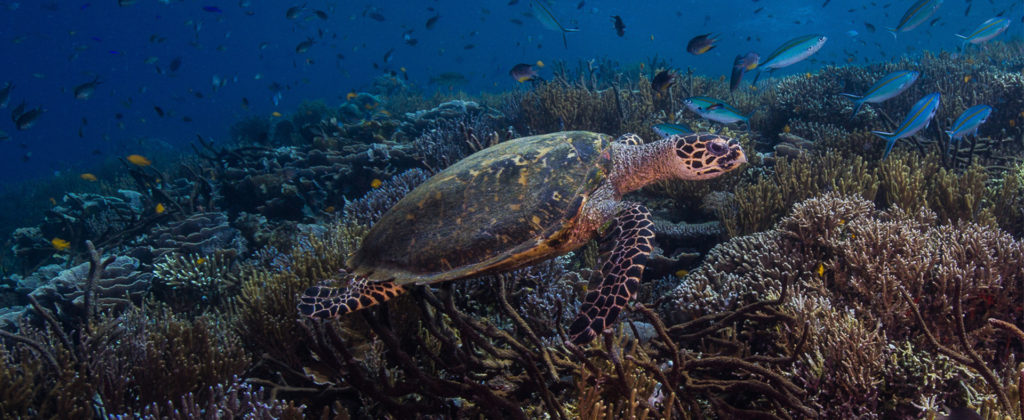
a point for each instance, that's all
(564, 189)
(919, 117)
(884, 89)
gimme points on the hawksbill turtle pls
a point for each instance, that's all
(520, 202)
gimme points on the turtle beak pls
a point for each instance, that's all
(736, 156)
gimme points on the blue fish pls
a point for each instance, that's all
(793, 51)
(668, 130)
(916, 15)
(967, 123)
(920, 115)
(884, 89)
(986, 31)
(715, 110)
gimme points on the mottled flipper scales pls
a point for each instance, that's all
(622, 270)
(329, 302)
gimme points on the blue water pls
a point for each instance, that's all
(49, 47)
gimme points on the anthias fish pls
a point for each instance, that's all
(989, 29)
(885, 88)
(967, 123)
(919, 117)
(917, 14)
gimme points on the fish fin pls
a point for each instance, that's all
(950, 134)
(565, 43)
(856, 107)
(892, 31)
(756, 76)
(960, 36)
(889, 137)
(850, 95)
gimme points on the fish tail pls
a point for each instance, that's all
(892, 31)
(856, 108)
(890, 138)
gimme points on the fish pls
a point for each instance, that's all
(620, 28)
(17, 111)
(88, 177)
(989, 29)
(175, 64)
(320, 14)
(85, 90)
(160, 209)
(212, 9)
(967, 123)
(701, 44)
(159, 111)
(5, 94)
(450, 78)
(4, 136)
(293, 11)
(741, 65)
(793, 51)
(304, 46)
(885, 88)
(715, 110)
(522, 72)
(915, 15)
(60, 244)
(869, 27)
(663, 81)
(432, 20)
(548, 20)
(28, 118)
(668, 130)
(138, 160)
(919, 117)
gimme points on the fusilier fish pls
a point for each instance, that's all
(885, 88)
(989, 29)
(667, 130)
(967, 123)
(793, 51)
(919, 117)
(917, 14)
(715, 110)
(85, 90)
(5, 94)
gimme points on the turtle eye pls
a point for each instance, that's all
(718, 148)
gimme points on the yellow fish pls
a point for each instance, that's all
(821, 269)
(376, 183)
(139, 160)
(351, 96)
(786, 129)
(967, 78)
(200, 260)
(275, 114)
(160, 208)
(682, 273)
(88, 177)
(60, 244)
(540, 63)
(329, 209)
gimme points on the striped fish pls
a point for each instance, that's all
(715, 110)
(886, 88)
(967, 123)
(986, 31)
(793, 51)
(668, 130)
(920, 115)
(916, 15)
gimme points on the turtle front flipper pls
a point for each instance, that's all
(633, 235)
(329, 302)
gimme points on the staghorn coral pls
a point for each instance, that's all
(880, 285)
(192, 283)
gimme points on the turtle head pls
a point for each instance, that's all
(706, 155)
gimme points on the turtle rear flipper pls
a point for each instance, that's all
(328, 302)
(633, 235)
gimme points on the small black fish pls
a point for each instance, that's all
(701, 44)
(758, 10)
(377, 16)
(432, 21)
(85, 90)
(159, 111)
(304, 46)
(28, 118)
(175, 64)
(869, 27)
(620, 28)
(932, 23)
(5, 94)
(293, 11)
(663, 81)
(826, 3)
(469, 46)
(968, 9)
(580, 6)
(511, 2)
(320, 14)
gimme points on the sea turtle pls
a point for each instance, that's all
(520, 202)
